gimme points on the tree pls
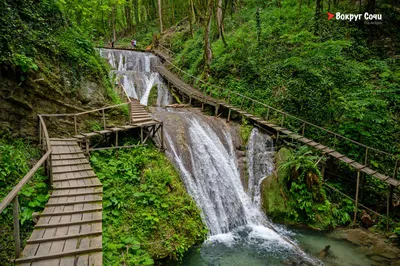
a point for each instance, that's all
(207, 42)
(160, 15)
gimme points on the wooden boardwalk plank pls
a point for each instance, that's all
(69, 230)
(196, 94)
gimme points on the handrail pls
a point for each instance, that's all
(13, 195)
(126, 93)
(86, 112)
(168, 50)
(282, 112)
(9, 198)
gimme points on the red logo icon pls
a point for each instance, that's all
(330, 16)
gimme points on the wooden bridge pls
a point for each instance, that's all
(69, 229)
(222, 100)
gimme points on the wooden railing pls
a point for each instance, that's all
(12, 197)
(76, 115)
(164, 49)
(44, 141)
(250, 105)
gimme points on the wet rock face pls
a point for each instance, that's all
(376, 247)
(44, 93)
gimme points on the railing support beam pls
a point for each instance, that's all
(356, 205)
(16, 233)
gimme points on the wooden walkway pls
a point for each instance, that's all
(69, 230)
(195, 94)
(139, 118)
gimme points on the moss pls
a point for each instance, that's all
(245, 131)
(153, 96)
(144, 204)
(273, 191)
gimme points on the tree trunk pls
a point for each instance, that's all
(192, 17)
(207, 44)
(128, 16)
(160, 16)
(220, 22)
(113, 23)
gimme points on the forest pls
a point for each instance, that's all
(306, 59)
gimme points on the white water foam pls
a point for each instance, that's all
(134, 71)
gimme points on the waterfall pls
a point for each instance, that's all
(203, 148)
(136, 72)
(260, 156)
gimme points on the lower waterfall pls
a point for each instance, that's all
(203, 148)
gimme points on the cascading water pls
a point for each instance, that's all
(260, 156)
(203, 148)
(136, 72)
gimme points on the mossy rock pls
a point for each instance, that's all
(274, 198)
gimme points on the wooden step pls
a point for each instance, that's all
(65, 237)
(68, 224)
(58, 255)
(69, 212)
(73, 178)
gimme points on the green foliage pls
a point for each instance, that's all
(16, 159)
(335, 78)
(144, 204)
(36, 42)
(307, 200)
(245, 131)
(25, 63)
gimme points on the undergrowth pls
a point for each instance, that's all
(147, 214)
(16, 158)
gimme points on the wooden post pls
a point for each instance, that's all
(130, 112)
(216, 109)
(44, 141)
(334, 141)
(356, 205)
(75, 125)
(388, 205)
(283, 120)
(141, 134)
(202, 107)
(267, 114)
(303, 129)
(16, 233)
(364, 176)
(229, 98)
(87, 145)
(104, 120)
(229, 114)
(50, 171)
(116, 139)
(162, 136)
(190, 100)
(241, 105)
(40, 133)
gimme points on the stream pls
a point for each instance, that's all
(205, 150)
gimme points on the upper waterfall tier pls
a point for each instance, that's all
(136, 72)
